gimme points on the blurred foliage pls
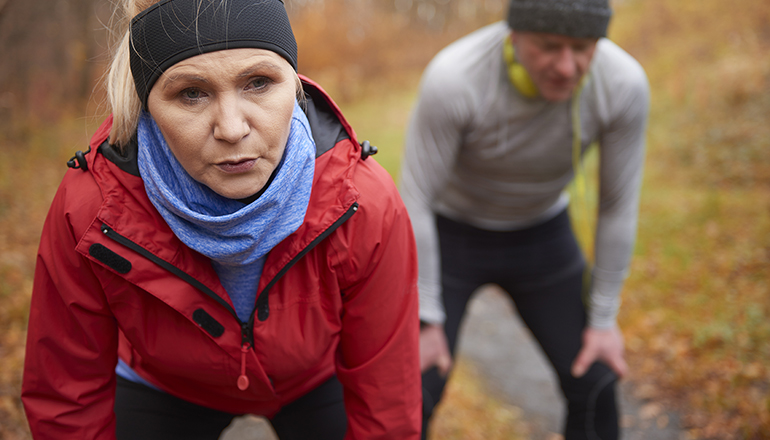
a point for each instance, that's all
(353, 47)
(53, 53)
(381, 119)
(470, 411)
(696, 306)
(29, 174)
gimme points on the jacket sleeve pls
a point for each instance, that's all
(68, 386)
(378, 354)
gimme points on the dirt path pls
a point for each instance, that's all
(501, 348)
(496, 341)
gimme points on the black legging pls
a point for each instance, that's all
(146, 414)
(541, 268)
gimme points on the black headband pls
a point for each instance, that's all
(173, 30)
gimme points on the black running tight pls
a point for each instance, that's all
(541, 269)
(146, 414)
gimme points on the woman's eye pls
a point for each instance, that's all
(191, 93)
(259, 83)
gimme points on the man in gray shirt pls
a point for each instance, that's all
(502, 119)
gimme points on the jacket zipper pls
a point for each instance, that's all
(109, 232)
(262, 308)
(262, 305)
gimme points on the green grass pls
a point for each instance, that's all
(381, 119)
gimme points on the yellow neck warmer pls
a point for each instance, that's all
(517, 73)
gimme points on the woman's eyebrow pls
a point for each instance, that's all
(259, 67)
(190, 77)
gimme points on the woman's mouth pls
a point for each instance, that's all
(241, 166)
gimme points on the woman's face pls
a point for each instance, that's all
(226, 116)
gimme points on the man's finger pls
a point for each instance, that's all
(619, 366)
(444, 364)
(584, 359)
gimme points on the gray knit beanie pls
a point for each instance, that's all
(573, 18)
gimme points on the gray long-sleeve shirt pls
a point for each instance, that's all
(479, 152)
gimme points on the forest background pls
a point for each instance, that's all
(696, 307)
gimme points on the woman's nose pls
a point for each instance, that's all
(230, 122)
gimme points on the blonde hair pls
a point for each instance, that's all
(121, 92)
(122, 96)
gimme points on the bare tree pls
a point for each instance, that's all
(49, 58)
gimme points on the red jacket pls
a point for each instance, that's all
(338, 296)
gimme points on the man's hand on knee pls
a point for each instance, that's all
(434, 349)
(603, 345)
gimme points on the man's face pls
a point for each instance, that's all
(555, 62)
